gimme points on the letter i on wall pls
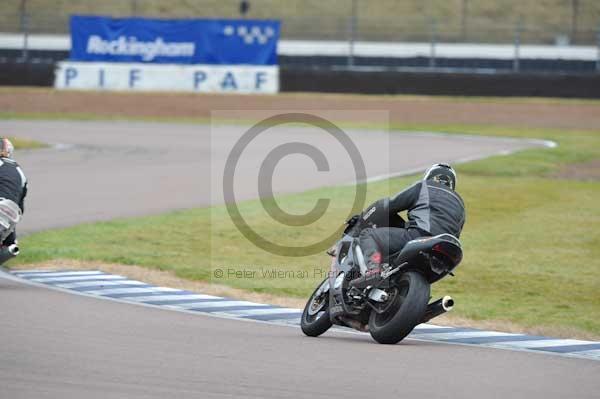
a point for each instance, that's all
(101, 78)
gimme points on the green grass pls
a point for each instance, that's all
(26, 144)
(531, 242)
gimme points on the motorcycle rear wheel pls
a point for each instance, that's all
(316, 323)
(408, 304)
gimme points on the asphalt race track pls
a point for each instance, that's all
(103, 170)
(58, 345)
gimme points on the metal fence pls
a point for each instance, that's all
(432, 22)
(481, 21)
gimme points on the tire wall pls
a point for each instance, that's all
(440, 83)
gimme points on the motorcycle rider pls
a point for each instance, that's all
(13, 189)
(434, 207)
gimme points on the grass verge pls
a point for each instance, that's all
(532, 242)
(26, 144)
(36, 90)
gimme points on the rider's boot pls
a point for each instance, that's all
(372, 276)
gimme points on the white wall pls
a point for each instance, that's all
(167, 77)
(363, 49)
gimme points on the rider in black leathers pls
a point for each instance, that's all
(434, 207)
(13, 183)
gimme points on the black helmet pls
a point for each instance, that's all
(441, 173)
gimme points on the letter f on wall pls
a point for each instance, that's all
(261, 77)
(134, 76)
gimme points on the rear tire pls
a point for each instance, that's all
(314, 325)
(407, 310)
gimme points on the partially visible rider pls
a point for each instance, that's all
(13, 189)
(434, 207)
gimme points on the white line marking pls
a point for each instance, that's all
(255, 312)
(295, 321)
(422, 168)
(220, 304)
(82, 284)
(110, 291)
(421, 326)
(542, 343)
(592, 354)
(41, 273)
(168, 297)
(287, 322)
(464, 334)
(78, 278)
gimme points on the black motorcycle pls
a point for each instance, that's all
(390, 310)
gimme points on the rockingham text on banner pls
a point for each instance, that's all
(182, 41)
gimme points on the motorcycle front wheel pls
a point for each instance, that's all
(404, 309)
(315, 318)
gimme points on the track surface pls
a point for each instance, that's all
(114, 169)
(59, 345)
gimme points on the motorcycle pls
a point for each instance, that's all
(10, 215)
(393, 307)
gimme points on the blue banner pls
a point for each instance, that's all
(185, 41)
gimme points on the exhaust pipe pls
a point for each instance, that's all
(13, 249)
(437, 308)
(355, 324)
(7, 253)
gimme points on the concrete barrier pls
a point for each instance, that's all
(13, 73)
(441, 83)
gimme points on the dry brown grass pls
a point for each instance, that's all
(585, 171)
(403, 110)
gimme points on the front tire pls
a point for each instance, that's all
(404, 312)
(315, 318)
